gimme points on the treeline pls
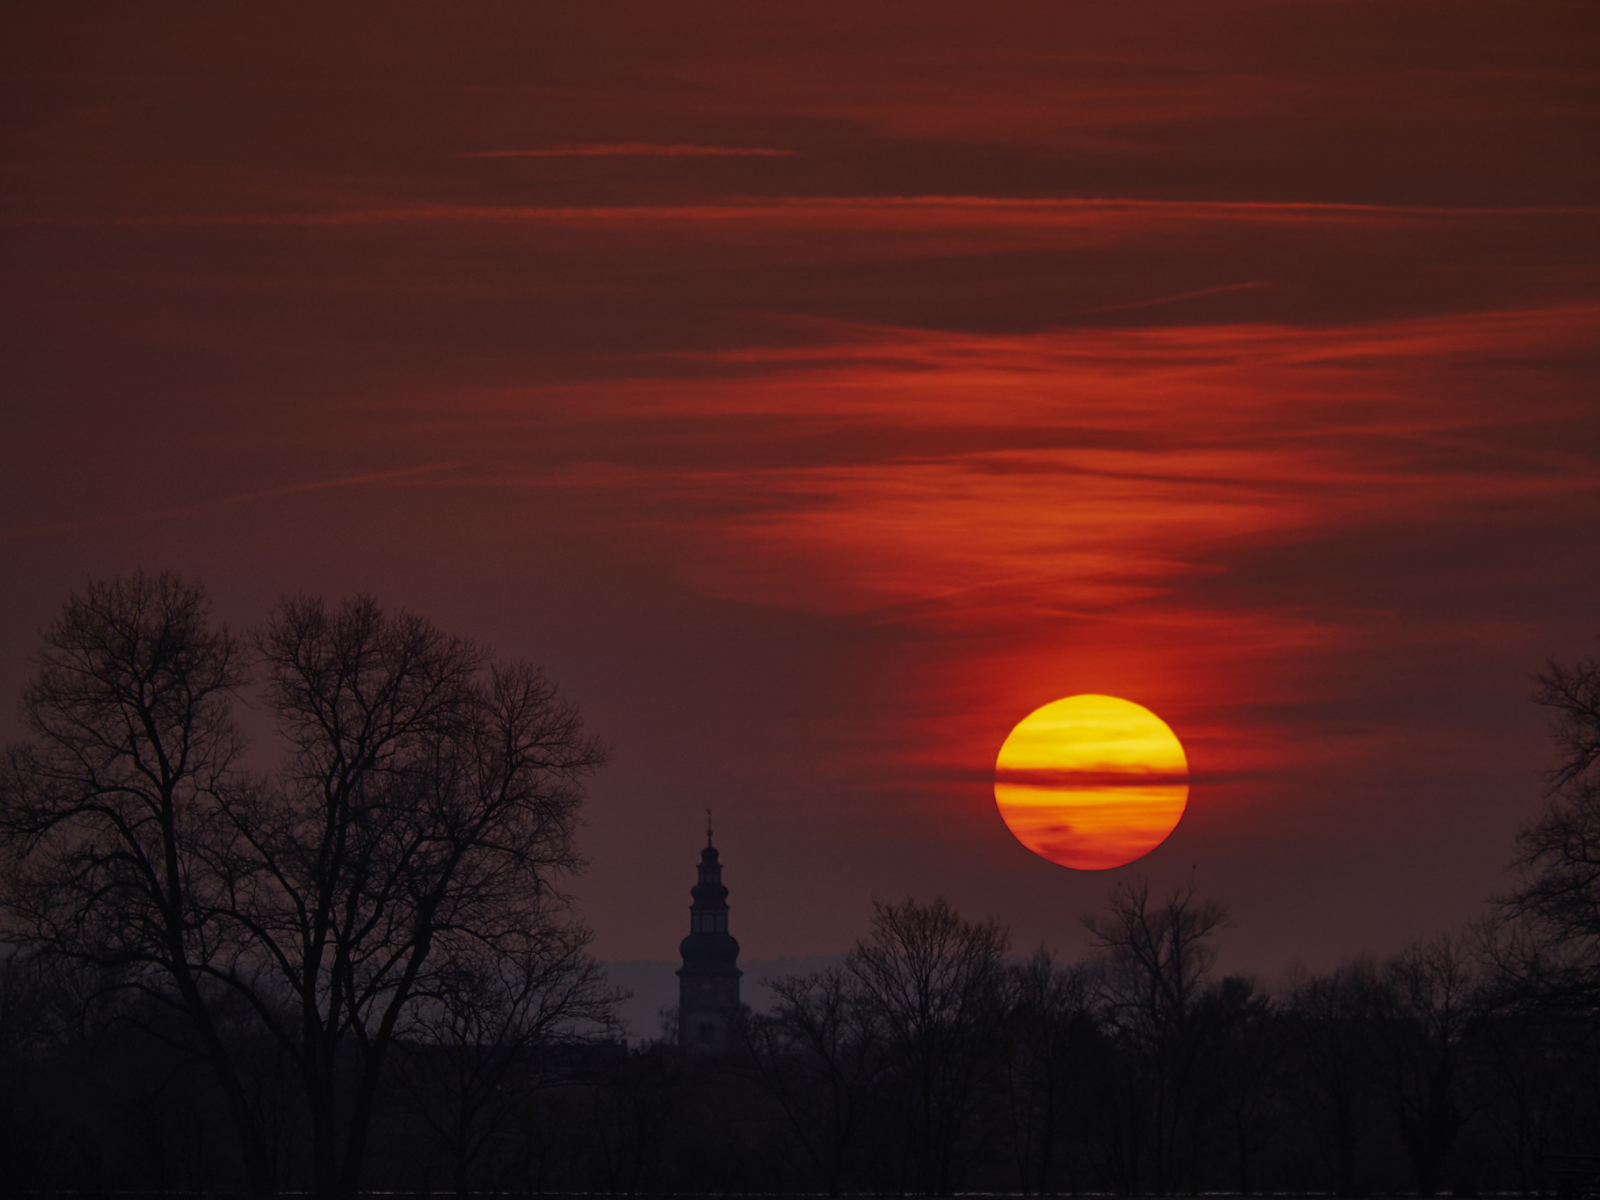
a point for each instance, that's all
(355, 970)
(930, 1062)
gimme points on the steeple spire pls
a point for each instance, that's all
(708, 981)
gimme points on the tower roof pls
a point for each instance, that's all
(709, 949)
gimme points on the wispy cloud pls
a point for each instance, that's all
(904, 214)
(955, 480)
(636, 150)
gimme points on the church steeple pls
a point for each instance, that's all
(708, 981)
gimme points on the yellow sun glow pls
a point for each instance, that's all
(1091, 782)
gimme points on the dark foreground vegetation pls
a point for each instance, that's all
(349, 966)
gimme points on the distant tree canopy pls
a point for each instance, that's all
(418, 824)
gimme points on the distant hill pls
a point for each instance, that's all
(655, 986)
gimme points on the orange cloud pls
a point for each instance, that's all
(1069, 505)
(969, 478)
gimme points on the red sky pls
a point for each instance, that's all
(817, 389)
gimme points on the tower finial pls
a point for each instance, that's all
(708, 827)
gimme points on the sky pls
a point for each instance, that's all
(816, 389)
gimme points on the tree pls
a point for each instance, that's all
(1543, 940)
(489, 1032)
(1540, 1089)
(422, 815)
(421, 818)
(1549, 944)
(1052, 1046)
(1156, 958)
(1573, 693)
(931, 984)
(1243, 1046)
(820, 1056)
(1434, 996)
(637, 1120)
(1336, 1055)
(109, 810)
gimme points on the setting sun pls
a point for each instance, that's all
(1091, 782)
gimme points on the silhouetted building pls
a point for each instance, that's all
(708, 981)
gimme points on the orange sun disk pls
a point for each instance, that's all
(1091, 782)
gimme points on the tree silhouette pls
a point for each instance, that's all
(820, 1056)
(1550, 940)
(1052, 1045)
(490, 1031)
(932, 985)
(1156, 955)
(1337, 1057)
(421, 816)
(1434, 994)
(113, 808)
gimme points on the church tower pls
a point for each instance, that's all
(708, 981)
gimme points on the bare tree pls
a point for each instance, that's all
(1434, 997)
(1337, 1055)
(1540, 1078)
(1549, 943)
(1573, 695)
(111, 808)
(490, 1031)
(636, 1119)
(422, 816)
(1543, 939)
(821, 1057)
(425, 809)
(1051, 1042)
(1156, 957)
(1243, 1048)
(932, 985)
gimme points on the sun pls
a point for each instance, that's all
(1091, 782)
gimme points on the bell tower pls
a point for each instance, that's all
(708, 981)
